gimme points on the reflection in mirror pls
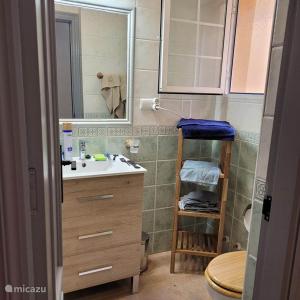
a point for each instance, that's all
(93, 64)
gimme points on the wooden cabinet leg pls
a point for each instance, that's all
(172, 265)
(135, 284)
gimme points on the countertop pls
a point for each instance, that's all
(106, 168)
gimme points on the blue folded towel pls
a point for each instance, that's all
(206, 129)
(200, 172)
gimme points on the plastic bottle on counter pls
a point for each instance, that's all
(67, 139)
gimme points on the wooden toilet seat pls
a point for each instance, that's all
(226, 273)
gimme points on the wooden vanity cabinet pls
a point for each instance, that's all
(102, 224)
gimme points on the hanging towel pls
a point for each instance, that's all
(111, 92)
(200, 172)
(206, 129)
(123, 87)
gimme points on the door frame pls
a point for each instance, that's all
(279, 246)
(76, 77)
(30, 195)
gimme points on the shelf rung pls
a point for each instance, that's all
(197, 253)
(198, 214)
(196, 243)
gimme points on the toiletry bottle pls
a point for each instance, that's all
(67, 137)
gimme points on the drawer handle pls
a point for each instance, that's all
(97, 197)
(89, 236)
(95, 271)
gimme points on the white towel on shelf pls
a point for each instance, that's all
(200, 172)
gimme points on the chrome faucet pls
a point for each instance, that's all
(82, 150)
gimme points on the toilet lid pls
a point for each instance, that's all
(228, 270)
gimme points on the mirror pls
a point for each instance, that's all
(94, 52)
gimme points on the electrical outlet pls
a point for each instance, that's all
(148, 104)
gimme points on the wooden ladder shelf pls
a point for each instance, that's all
(194, 243)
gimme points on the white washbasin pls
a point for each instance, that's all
(91, 168)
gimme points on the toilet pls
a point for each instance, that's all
(225, 274)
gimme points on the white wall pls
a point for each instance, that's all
(104, 49)
(243, 111)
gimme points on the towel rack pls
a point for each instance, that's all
(100, 75)
(194, 243)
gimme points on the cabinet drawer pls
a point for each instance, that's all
(102, 196)
(86, 270)
(86, 186)
(85, 234)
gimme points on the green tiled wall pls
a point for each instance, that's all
(158, 152)
(241, 185)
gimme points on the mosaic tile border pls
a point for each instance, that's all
(94, 131)
(260, 189)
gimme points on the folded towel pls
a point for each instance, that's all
(192, 206)
(200, 172)
(202, 196)
(199, 201)
(206, 129)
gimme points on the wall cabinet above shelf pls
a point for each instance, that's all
(215, 46)
(195, 46)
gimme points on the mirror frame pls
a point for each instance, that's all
(130, 13)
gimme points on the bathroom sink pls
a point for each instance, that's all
(88, 166)
(91, 168)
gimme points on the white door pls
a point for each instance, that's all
(48, 140)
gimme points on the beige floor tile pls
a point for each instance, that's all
(155, 284)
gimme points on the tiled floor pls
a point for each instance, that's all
(155, 284)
